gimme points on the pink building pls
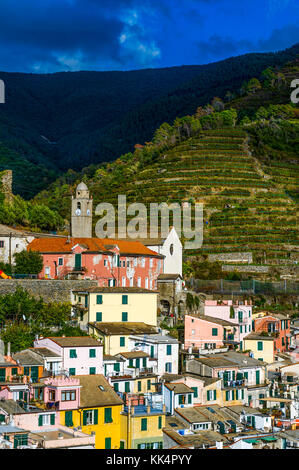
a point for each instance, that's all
(81, 355)
(112, 262)
(236, 312)
(62, 393)
(203, 332)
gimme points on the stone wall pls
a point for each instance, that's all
(245, 269)
(6, 184)
(49, 290)
(231, 257)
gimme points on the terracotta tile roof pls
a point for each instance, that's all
(123, 328)
(133, 354)
(102, 245)
(178, 387)
(76, 341)
(96, 391)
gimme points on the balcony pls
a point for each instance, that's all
(233, 383)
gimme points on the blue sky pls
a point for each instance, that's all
(44, 36)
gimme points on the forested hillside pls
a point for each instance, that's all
(239, 158)
(53, 122)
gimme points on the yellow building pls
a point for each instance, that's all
(99, 412)
(115, 336)
(116, 304)
(262, 347)
(141, 427)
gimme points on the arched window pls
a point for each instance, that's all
(79, 205)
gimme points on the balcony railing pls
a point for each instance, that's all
(233, 383)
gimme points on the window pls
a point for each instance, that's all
(99, 299)
(122, 341)
(168, 367)
(73, 353)
(107, 442)
(171, 249)
(52, 395)
(105, 262)
(68, 395)
(124, 316)
(124, 264)
(99, 316)
(90, 417)
(123, 281)
(160, 422)
(46, 419)
(68, 419)
(146, 282)
(195, 391)
(127, 387)
(259, 345)
(108, 415)
(139, 385)
(92, 353)
(143, 424)
(116, 388)
(149, 384)
(1, 243)
(14, 371)
(92, 371)
(168, 350)
(72, 371)
(214, 331)
(60, 261)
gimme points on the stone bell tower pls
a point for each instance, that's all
(81, 225)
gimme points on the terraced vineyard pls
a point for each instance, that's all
(246, 205)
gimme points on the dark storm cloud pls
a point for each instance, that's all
(54, 35)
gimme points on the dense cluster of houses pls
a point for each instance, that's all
(231, 380)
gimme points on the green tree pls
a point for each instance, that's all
(28, 262)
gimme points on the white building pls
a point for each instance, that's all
(163, 352)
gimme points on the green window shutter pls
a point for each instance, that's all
(95, 416)
(108, 415)
(137, 363)
(116, 367)
(124, 300)
(227, 395)
(180, 399)
(160, 422)
(73, 353)
(168, 350)
(84, 417)
(144, 362)
(208, 395)
(108, 443)
(143, 424)
(40, 420)
(214, 331)
(115, 386)
(99, 316)
(99, 299)
(68, 417)
(72, 371)
(26, 371)
(215, 394)
(52, 419)
(124, 316)
(130, 362)
(121, 445)
(233, 394)
(242, 393)
(92, 353)
(139, 385)
(127, 387)
(189, 398)
(122, 341)
(259, 345)
(78, 261)
(92, 371)
(195, 391)
(14, 371)
(149, 384)
(152, 351)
